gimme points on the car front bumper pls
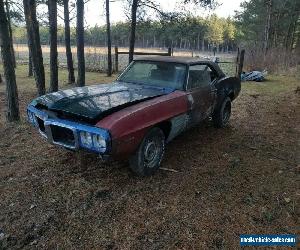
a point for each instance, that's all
(67, 133)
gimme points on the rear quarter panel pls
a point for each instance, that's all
(129, 126)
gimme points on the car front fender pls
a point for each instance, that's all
(129, 125)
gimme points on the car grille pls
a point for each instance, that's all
(41, 124)
(61, 135)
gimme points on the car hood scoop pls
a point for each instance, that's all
(95, 102)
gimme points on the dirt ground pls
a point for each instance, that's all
(243, 179)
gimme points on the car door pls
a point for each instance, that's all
(200, 93)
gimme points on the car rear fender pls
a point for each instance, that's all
(227, 87)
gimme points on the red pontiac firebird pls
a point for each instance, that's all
(151, 102)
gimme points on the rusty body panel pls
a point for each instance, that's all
(128, 126)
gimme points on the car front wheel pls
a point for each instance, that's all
(149, 155)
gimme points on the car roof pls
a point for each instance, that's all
(181, 59)
(174, 59)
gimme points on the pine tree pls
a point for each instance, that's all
(9, 70)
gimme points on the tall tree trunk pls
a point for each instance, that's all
(35, 44)
(10, 33)
(30, 64)
(109, 60)
(30, 68)
(268, 27)
(133, 28)
(293, 39)
(52, 8)
(71, 75)
(80, 43)
(288, 37)
(291, 33)
(9, 70)
(297, 48)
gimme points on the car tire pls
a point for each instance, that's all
(222, 114)
(148, 156)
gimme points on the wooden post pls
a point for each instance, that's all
(241, 63)
(116, 59)
(237, 62)
(169, 51)
(0, 78)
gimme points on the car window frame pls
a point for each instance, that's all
(187, 88)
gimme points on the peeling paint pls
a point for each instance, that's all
(179, 124)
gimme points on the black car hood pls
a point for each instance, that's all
(94, 102)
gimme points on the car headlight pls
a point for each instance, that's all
(86, 139)
(93, 141)
(99, 142)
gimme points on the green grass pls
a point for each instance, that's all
(274, 84)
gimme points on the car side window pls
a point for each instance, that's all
(199, 76)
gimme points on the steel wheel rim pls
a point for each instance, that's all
(152, 152)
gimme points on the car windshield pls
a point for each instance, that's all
(158, 74)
